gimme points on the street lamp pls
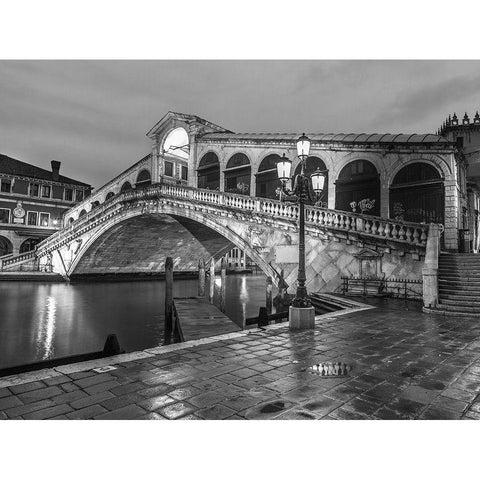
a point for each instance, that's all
(301, 312)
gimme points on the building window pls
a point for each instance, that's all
(32, 218)
(4, 215)
(184, 173)
(169, 169)
(44, 219)
(78, 195)
(46, 190)
(34, 188)
(6, 186)
(68, 194)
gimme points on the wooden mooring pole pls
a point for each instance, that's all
(201, 278)
(223, 285)
(211, 280)
(168, 297)
(268, 297)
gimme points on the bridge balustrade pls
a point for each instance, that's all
(406, 232)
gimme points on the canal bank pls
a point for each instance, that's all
(404, 365)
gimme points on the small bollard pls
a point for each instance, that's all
(223, 285)
(168, 296)
(201, 278)
(268, 298)
(112, 346)
(262, 317)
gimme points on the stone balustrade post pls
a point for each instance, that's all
(430, 267)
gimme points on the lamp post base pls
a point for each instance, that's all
(301, 318)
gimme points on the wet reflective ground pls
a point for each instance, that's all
(405, 365)
(44, 321)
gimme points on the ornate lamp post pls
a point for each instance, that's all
(301, 313)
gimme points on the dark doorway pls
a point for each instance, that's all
(358, 188)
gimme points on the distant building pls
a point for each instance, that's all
(32, 203)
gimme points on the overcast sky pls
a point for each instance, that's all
(93, 115)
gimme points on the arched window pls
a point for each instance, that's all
(109, 196)
(313, 164)
(358, 188)
(144, 179)
(71, 220)
(6, 246)
(96, 203)
(82, 213)
(209, 172)
(29, 244)
(417, 194)
(125, 187)
(176, 144)
(237, 174)
(267, 181)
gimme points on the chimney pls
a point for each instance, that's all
(55, 169)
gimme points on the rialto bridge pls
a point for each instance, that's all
(204, 190)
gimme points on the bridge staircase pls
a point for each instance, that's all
(22, 262)
(459, 283)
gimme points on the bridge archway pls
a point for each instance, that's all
(208, 172)
(358, 180)
(144, 179)
(200, 226)
(417, 194)
(125, 187)
(237, 174)
(6, 246)
(311, 165)
(267, 181)
(109, 195)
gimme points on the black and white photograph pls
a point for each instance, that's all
(198, 235)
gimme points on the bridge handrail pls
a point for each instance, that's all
(5, 262)
(414, 233)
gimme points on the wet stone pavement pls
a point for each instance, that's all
(405, 365)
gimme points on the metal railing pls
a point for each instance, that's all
(378, 286)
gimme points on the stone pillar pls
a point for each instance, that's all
(452, 206)
(223, 285)
(331, 190)
(384, 198)
(268, 296)
(201, 278)
(430, 268)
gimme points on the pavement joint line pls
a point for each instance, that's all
(45, 374)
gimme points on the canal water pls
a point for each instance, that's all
(41, 321)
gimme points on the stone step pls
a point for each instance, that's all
(457, 308)
(459, 295)
(459, 277)
(451, 313)
(445, 286)
(458, 302)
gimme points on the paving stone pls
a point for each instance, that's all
(437, 413)
(151, 416)
(48, 412)
(206, 399)
(87, 412)
(9, 402)
(450, 404)
(176, 410)
(26, 387)
(130, 412)
(102, 387)
(58, 380)
(155, 403)
(267, 410)
(116, 403)
(128, 388)
(5, 392)
(31, 407)
(157, 390)
(69, 397)
(39, 394)
(91, 400)
(184, 393)
(69, 387)
(216, 412)
(94, 379)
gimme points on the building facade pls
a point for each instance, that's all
(32, 203)
(420, 178)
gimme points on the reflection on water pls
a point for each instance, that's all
(43, 321)
(46, 329)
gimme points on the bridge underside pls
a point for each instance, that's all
(141, 244)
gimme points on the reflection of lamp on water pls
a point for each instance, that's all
(47, 328)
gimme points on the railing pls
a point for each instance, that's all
(14, 259)
(409, 233)
(378, 286)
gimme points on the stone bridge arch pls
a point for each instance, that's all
(75, 252)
